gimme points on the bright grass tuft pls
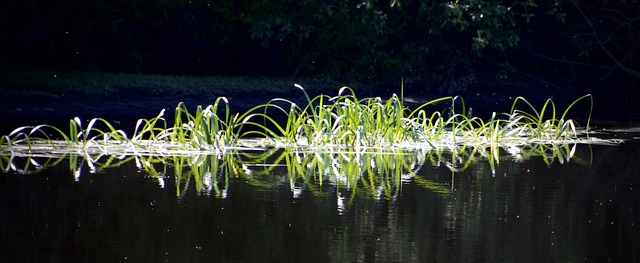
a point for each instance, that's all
(340, 122)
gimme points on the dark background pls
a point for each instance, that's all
(540, 49)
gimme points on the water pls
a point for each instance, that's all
(586, 210)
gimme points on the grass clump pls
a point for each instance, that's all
(325, 123)
(345, 120)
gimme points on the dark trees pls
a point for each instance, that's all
(447, 46)
(595, 47)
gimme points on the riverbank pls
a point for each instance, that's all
(24, 84)
(54, 97)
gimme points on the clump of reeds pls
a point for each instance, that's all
(342, 121)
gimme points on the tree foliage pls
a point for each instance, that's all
(446, 46)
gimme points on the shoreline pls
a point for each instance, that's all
(52, 97)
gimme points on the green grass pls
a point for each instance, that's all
(327, 123)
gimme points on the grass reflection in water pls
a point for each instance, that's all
(362, 146)
(372, 174)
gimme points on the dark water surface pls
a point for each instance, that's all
(586, 210)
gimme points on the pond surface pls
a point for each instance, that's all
(361, 208)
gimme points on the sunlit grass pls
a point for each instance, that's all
(323, 123)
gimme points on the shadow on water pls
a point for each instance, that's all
(279, 205)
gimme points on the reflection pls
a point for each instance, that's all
(287, 205)
(377, 174)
